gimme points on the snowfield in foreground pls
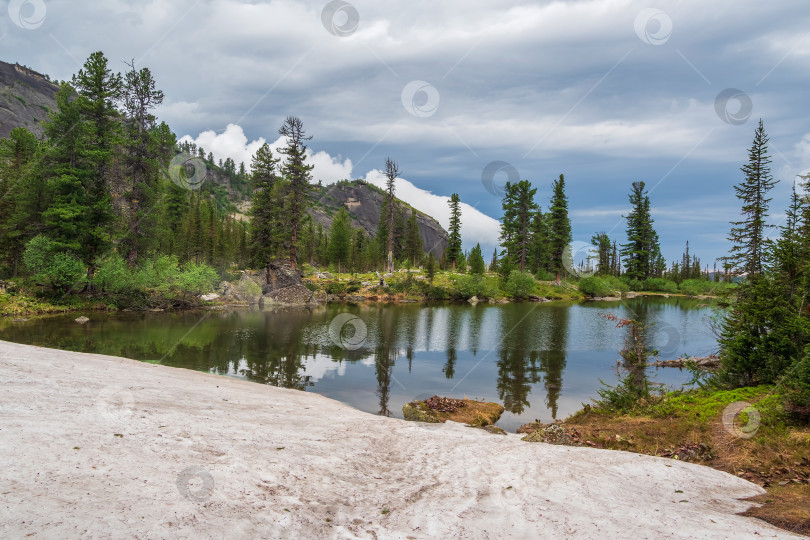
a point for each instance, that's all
(94, 446)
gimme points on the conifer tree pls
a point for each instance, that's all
(476, 260)
(559, 225)
(391, 174)
(454, 231)
(748, 235)
(297, 172)
(641, 254)
(340, 239)
(266, 211)
(413, 240)
(519, 208)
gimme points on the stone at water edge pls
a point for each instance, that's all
(81, 320)
(209, 297)
(474, 300)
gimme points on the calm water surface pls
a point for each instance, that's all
(541, 361)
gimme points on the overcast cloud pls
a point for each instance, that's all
(606, 92)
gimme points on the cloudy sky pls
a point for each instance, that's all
(605, 92)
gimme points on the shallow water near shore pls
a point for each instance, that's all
(539, 360)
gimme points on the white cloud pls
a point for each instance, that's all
(475, 226)
(233, 143)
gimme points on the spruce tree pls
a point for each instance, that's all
(476, 260)
(603, 248)
(340, 239)
(391, 174)
(454, 231)
(266, 211)
(519, 208)
(748, 236)
(297, 172)
(559, 225)
(641, 253)
(413, 240)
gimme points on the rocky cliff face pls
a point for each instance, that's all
(364, 203)
(25, 99)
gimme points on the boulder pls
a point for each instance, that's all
(474, 300)
(281, 276)
(293, 295)
(209, 297)
(81, 320)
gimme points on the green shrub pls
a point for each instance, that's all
(158, 274)
(697, 287)
(595, 286)
(545, 275)
(659, 285)
(615, 283)
(112, 275)
(335, 287)
(520, 285)
(797, 390)
(59, 269)
(196, 278)
(467, 286)
(353, 287)
(635, 285)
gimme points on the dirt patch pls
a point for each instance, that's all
(441, 409)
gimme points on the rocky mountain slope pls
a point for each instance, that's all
(25, 98)
(364, 203)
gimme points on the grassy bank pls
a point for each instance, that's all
(772, 451)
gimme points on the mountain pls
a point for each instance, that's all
(364, 203)
(25, 98)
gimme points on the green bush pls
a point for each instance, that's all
(659, 285)
(520, 285)
(112, 275)
(59, 269)
(797, 390)
(157, 274)
(595, 286)
(467, 286)
(196, 278)
(635, 285)
(697, 287)
(545, 275)
(615, 283)
(335, 287)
